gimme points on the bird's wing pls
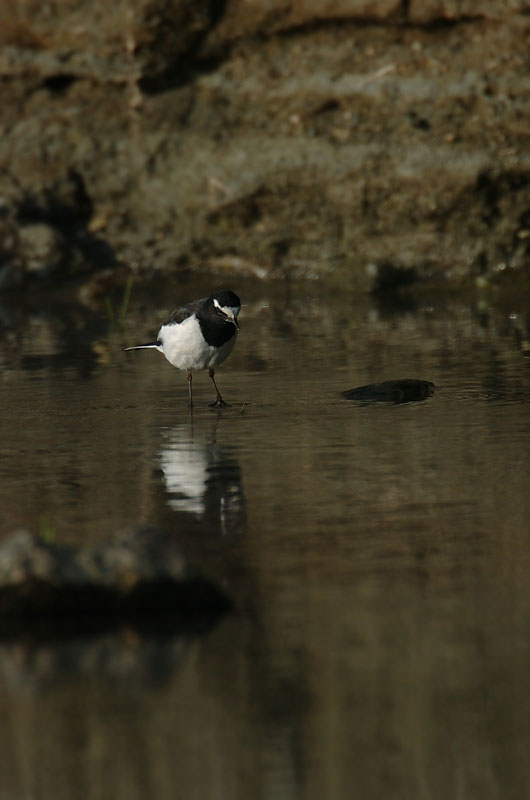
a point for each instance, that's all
(183, 312)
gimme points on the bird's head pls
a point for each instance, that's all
(227, 305)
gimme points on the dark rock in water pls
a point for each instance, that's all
(143, 575)
(407, 390)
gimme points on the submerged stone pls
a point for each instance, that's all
(142, 574)
(406, 390)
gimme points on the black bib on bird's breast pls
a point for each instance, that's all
(216, 332)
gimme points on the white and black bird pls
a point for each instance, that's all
(200, 335)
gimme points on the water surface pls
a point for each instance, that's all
(378, 555)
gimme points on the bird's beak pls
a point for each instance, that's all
(232, 318)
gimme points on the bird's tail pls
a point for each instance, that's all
(156, 345)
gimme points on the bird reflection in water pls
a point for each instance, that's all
(203, 479)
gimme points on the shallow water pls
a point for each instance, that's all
(378, 555)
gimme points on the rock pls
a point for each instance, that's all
(406, 390)
(141, 574)
(61, 200)
(42, 247)
(50, 234)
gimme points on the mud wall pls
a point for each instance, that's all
(373, 143)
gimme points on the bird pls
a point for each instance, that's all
(199, 335)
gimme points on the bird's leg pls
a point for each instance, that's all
(218, 402)
(188, 376)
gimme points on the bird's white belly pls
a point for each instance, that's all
(183, 345)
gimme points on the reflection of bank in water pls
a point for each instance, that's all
(202, 479)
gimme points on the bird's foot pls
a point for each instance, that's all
(219, 403)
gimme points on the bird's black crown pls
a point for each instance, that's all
(226, 298)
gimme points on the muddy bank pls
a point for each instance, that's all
(375, 144)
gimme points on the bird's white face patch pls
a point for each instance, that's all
(228, 311)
